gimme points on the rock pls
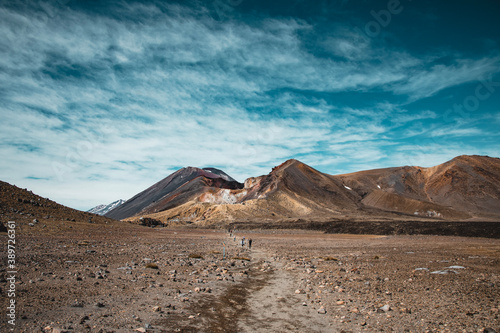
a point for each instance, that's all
(440, 272)
(300, 291)
(77, 304)
(147, 326)
(321, 310)
(124, 268)
(156, 309)
(489, 330)
(59, 330)
(140, 329)
(385, 308)
(340, 302)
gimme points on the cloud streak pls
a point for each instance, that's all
(110, 100)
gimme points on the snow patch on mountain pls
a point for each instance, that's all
(103, 209)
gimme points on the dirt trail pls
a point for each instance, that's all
(264, 301)
(275, 307)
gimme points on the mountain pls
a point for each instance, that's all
(466, 187)
(178, 188)
(104, 209)
(34, 212)
(462, 187)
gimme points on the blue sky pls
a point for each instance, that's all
(100, 100)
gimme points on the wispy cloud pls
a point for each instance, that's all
(425, 82)
(99, 110)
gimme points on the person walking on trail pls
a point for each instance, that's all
(250, 243)
(243, 242)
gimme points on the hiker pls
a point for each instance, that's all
(250, 243)
(243, 242)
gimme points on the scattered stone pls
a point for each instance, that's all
(124, 268)
(385, 308)
(440, 272)
(59, 330)
(410, 285)
(77, 304)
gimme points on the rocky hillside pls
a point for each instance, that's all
(31, 210)
(466, 187)
(180, 187)
(463, 187)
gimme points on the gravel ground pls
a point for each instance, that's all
(122, 279)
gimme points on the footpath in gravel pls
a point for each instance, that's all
(275, 307)
(264, 301)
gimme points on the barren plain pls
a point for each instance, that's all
(120, 277)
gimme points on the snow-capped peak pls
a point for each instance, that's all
(103, 209)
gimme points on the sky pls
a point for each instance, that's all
(101, 99)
